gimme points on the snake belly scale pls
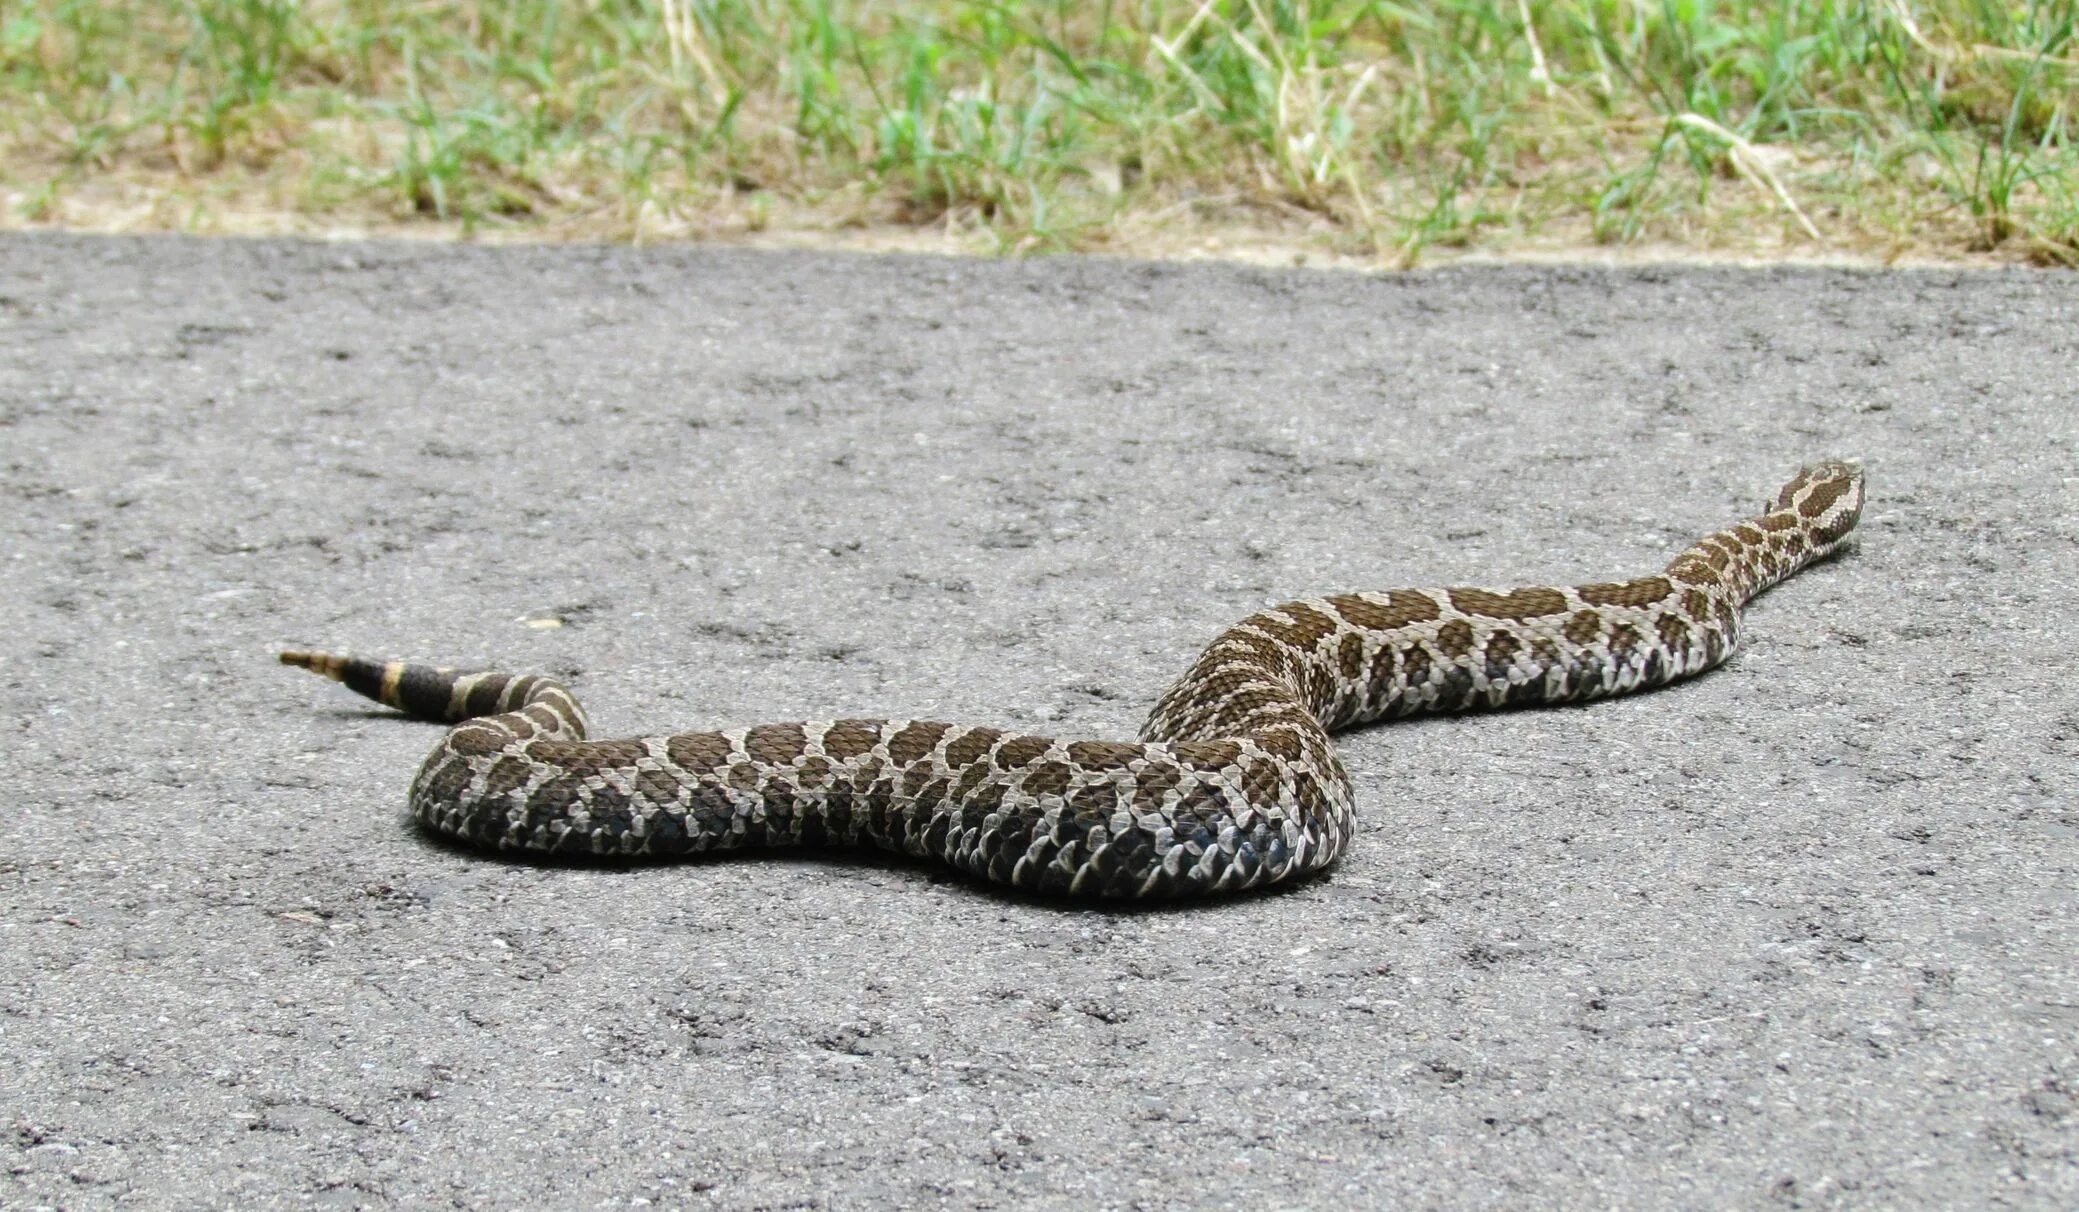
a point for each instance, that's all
(1234, 782)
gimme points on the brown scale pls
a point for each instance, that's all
(1234, 782)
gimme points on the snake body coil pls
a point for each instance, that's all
(1234, 782)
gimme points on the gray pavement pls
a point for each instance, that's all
(1800, 933)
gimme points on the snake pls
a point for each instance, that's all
(1234, 782)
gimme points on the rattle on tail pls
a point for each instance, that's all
(1234, 782)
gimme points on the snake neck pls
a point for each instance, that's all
(1808, 521)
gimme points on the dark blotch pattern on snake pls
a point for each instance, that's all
(1234, 782)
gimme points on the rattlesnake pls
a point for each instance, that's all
(1233, 784)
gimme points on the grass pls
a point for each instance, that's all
(1388, 130)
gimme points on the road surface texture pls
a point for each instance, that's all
(1799, 933)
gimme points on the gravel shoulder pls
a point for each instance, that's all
(1798, 933)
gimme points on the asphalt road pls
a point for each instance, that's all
(1800, 933)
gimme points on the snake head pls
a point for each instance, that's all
(1827, 499)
